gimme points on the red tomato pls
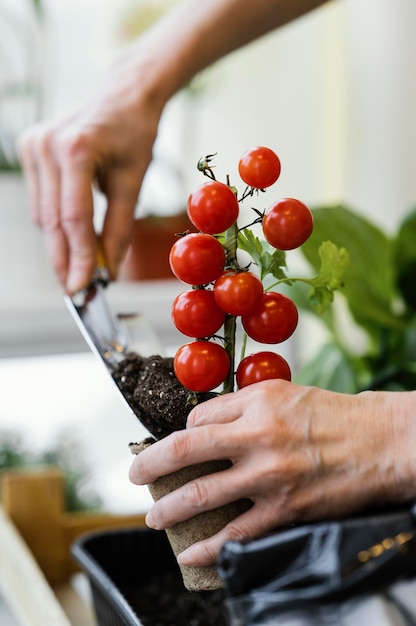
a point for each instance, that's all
(213, 207)
(238, 293)
(262, 366)
(273, 321)
(201, 365)
(259, 167)
(197, 258)
(287, 224)
(196, 314)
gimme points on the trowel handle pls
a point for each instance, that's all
(101, 273)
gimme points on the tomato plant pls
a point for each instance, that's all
(213, 207)
(287, 224)
(262, 366)
(196, 314)
(197, 258)
(228, 296)
(201, 365)
(259, 167)
(238, 293)
(274, 321)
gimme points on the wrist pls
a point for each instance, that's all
(403, 419)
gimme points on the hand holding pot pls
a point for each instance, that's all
(298, 453)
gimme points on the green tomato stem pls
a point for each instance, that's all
(229, 345)
(230, 245)
(243, 346)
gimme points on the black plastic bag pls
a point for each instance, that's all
(312, 573)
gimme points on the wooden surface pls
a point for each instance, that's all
(23, 585)
(36, 533)
(35, 503)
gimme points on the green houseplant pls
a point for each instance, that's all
(376, 347)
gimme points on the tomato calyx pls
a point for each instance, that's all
(204, 165)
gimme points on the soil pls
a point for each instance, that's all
(165, 602)
(154, 393)
(162, 405)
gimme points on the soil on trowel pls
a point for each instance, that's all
(154, 393)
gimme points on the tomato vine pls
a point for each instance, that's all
(208, 261)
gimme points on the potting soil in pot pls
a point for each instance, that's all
(154, 393)
(162, 405)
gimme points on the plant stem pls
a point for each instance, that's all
(243, 346)
(229, 345)
(230, 245)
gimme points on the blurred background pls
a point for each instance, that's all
(333, 94)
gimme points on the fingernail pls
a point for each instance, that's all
(150, 522)
(76, 281)
(185, 557)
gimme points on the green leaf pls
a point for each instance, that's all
(330, 277)
(369, 278)
(267, 259)
(405, 259)
(404, 243)
(329, 369)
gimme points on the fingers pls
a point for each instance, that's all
(254, 523)
(182, 449)
(122, 188)
(28, 162)
(59, 179)
(77, 226)
(223, 409)
(231, 406)
(60, 165)
(202, 494)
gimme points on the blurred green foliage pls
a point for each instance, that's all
(376, 348)
(66, 453)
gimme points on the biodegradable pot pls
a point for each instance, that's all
(201, 526)
(147, 257)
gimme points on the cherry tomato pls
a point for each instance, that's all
(259, 167)
(238, 293)
(287, 224)
(201, 365)
(262, 366)
(213, 207)
(196, 314)
(273, 321)
(197, 258)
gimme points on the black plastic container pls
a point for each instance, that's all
(111, 559)
(122, 565)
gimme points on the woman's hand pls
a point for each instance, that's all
(298, 453)
(107, 142)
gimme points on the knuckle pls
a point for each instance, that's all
(209, 552)
(180, 444)
(44, 140)
(70, 146)
(49, 219)
(233, 532)
(193, 417)
(196, 494)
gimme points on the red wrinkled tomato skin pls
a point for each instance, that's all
(262, 366)
(287, 224)
(213, 207)
(274, 321)
(197, 258)
(259, 167)
(196, 314)
(238, 293)
(201, 365)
